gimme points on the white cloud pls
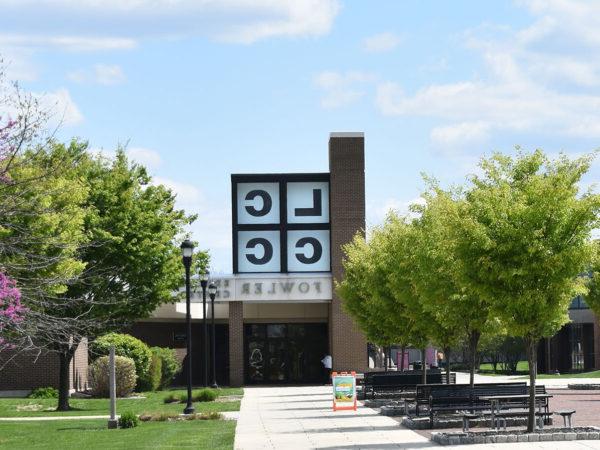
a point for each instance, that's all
(146, 157)
(379, 209)
(104, 74)
(459, 134)
(68, 43)
(212, 229)
(188, 195)
(341, 89)
(240, 21)
(108, 74)
(63, 109)
(16, 64)
(383, 42)
(542, 79)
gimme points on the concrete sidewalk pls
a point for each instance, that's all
(301, 418)
(550, 383)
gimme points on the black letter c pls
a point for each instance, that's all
(267, 203)
(267, 247)
(317, 250)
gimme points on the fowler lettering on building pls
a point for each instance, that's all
(298, 288)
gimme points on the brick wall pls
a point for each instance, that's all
(236, 343)
(79, 367)
(30, 370)
(347, 199)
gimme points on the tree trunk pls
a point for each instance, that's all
(385, 359)
(424, 366)
(63, 380)
(447, 353)
(403, 349)
(532, 360)
(473, 342)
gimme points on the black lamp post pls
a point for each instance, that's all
(187, 250)
(204, 283)
(212, 292)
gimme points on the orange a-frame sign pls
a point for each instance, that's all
(344, 391)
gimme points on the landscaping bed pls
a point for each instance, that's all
(455, 421)
(498, 437)
(584, 387)
(147, 402)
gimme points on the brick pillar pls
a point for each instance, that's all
(596, 343)
(348, 346)
(236, 343)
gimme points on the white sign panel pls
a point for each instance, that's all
(274, 234)
(258, 251)
(258, 203)
(308, 202)
(308, 251)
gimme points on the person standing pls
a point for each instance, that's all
(327, 365)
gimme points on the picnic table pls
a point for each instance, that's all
(496, 403)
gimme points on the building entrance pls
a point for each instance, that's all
(284, 353)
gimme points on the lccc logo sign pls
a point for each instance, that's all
(281, 223)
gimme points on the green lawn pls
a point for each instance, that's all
(153, 402)
(522, 366)
(594, 374)
(93, 434)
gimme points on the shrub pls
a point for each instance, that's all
(151, 381)
(172, 398)
(171, 366)
(128, 420)
(125, 345)
(125, 377)
(205, 395)
(44, 392)
(164, 417)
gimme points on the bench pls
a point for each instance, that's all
(459, 396)
(391, 383)
(566, 415)
(463, 397)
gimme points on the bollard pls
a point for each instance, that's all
(112, 421)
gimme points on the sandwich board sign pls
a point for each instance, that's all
(344, 391)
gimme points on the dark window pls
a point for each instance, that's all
(578, 303)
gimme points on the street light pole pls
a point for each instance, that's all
(187, 250)
(204, 283)
(212, 292)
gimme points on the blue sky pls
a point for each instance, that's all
(202, 89)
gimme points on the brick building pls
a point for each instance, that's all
(278, 315)
(33, 369)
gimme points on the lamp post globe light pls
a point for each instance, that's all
(212, 292)
(203, 284)
(187, 250)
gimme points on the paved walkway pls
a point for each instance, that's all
(554, 383)
(301, 418)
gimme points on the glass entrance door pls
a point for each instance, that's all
(285, 353)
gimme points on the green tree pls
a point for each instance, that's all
(592, 298)
(362, 289)
(524, 240)
(460, 313)
(133, 263)
(40, 233)
(401, 238)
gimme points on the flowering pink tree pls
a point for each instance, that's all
(11, 310)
